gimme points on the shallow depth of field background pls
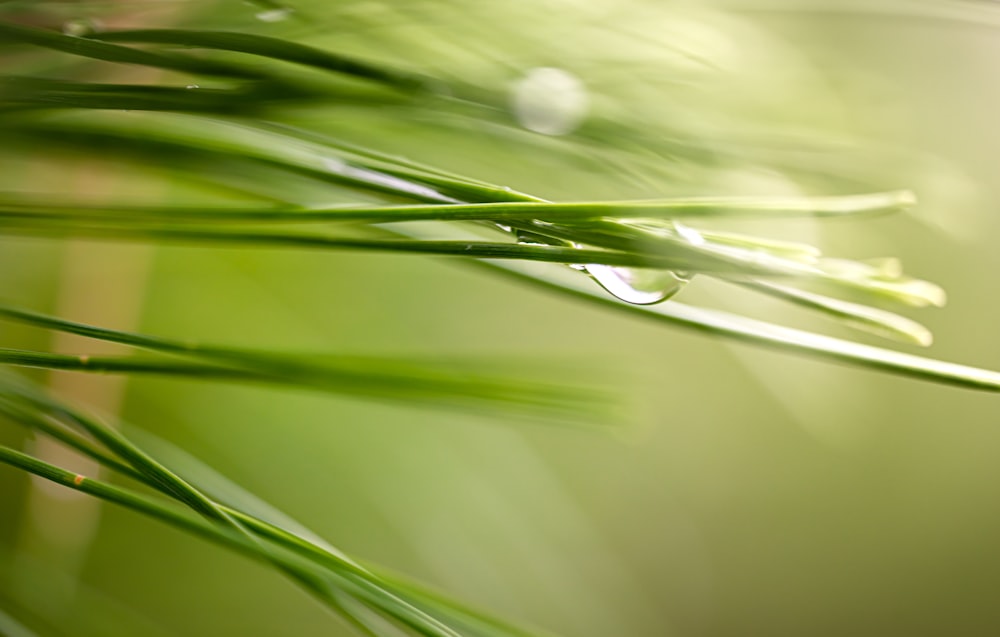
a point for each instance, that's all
(751, 493)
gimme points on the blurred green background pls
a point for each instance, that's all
(753, 493)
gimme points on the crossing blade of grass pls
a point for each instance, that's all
(215, 237)
(854, 315)
(263, 518)
(879, 203)
(118, 444)
(268, 47)
(317, 579)
(472, 621)
(309, 157)
(658, 252)
(374, 377)
(647, 236)
(149, 134)
(636, 238)
(738, 328)
(738, 254)
(374, 590)
(24, 93)
(159, 477)
(729, 326)
(12, 34)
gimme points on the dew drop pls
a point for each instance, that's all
(549, 101)
(192, 86)
(81, 27)
(274, 15)
(638, 286)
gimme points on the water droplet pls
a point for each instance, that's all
(639, 286)
(81, 27)
(549, 101)
(192, 86)
(274, 15)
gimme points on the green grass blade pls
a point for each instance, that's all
(24, 93)
(360, 582)
(729, 326)
(108, 52)
(374, 377)
(495, 212)
(289, 239)
(273, 48)
(860, 317)
(317, 580)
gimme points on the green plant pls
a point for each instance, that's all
(257, 174)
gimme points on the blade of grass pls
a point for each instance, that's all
(108, 52)
(384, 375)
(725, 325)
(879, 203)
(376, 378)
(371, 588)
(673, 238)
(303, 571)
(273, 48)
(860, 317)
(276, 238)
(22, 93)
(721, 323)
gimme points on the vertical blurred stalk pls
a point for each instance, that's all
(100, 284)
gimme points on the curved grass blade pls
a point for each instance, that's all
(22, 93)
(374, 377)
(273, 48)
(310, 158)
(108, 52)
(725, 325)
(467, 248)
(317, 579)
(371, 589)
(879, 203)
(746, 255)
(860, 317)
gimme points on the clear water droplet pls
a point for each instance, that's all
(549, 101)
(638, 286)
(274, 15)
(81, 27)
(192, 86)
